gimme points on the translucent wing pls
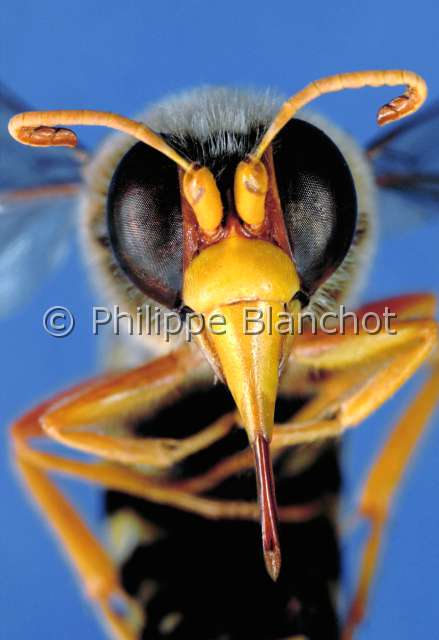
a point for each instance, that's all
(406, 164)
(38, 189)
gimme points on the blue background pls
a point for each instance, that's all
(121, 56)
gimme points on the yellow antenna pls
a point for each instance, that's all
(397, 108)
(41, 129)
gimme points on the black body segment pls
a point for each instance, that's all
(210, 574)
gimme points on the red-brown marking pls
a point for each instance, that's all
(267, 506)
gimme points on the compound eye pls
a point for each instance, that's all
(318, 198)
(145, 223)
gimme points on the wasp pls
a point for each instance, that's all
(212, 203)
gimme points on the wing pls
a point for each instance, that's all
(38, 193)
(406, 165)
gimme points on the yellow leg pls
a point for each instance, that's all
(125, 479)
(87, 555)
(367, 370)
(98, 397)
(108, 396)
(381, 485)
(139, 392)
(364, 371)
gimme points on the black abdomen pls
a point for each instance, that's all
(204, 579)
